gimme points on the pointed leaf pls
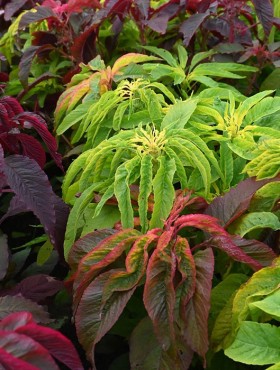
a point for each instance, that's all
(190, 26)
(197, 310)
(255, 220)
(146, 176)
(94, 318)
(179, 114)
(164, 192)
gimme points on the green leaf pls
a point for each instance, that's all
(265, 198)
(164, 192)
(265, 107)
(73, 118)
(274, 367)
(122, 191)
(272, 81)
(256, 344)
(183, 56)
(164, 54)
(74, 218)
(270, 304)
(146, 176)
(199, 57)
(255, 220)
(226, 164)
(44, 253)
(106, 218)
(179, 114)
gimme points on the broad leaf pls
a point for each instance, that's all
(10, 362)
(256, 344)
(270, 304)
(179, 114)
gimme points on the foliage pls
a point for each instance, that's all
(177, 280)
(25, 344)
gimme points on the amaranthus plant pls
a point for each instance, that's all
(176, 274)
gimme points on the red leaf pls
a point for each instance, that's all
(226, 244)
(79, 5)
(12, 363)
(159, 292)
(85, 244)
(197, 310)
(255, 249)
(106, 252)
(94, 317)
(27, 349)
(83, 48)
(15, 320)
(186, 266)
(136, 262)
(32, 120)
(200, 221)
(54, 342)
(31, 148)
(234, 203)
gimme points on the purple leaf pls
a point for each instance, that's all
(10, 304)
(37, 287)
(160, 17)
(32, 187)
(197, 310)
(264, 12)
(54, 342)
(12, 7)
(233, 204)
(12, 105)
(26, 61)
(40, 14)
(16, 206)
(143, 6)
(26, 348)
(61, 217)
(4, 260)
(190, 26)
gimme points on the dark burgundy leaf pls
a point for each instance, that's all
(10, 304)
(255, 249)
(32, 120)
(4, 260)
(12, 7)
(233, 204)
(190, 26)
(41, 13)
(30, 147)
(32, 186)
(10, 362)
(54, 342)
(197, 310)
(37, 287)
(26, 348)
(82, 42)
(26, 61)
(12, 105)
(42, 38)
(264, 12)
(4, 118)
